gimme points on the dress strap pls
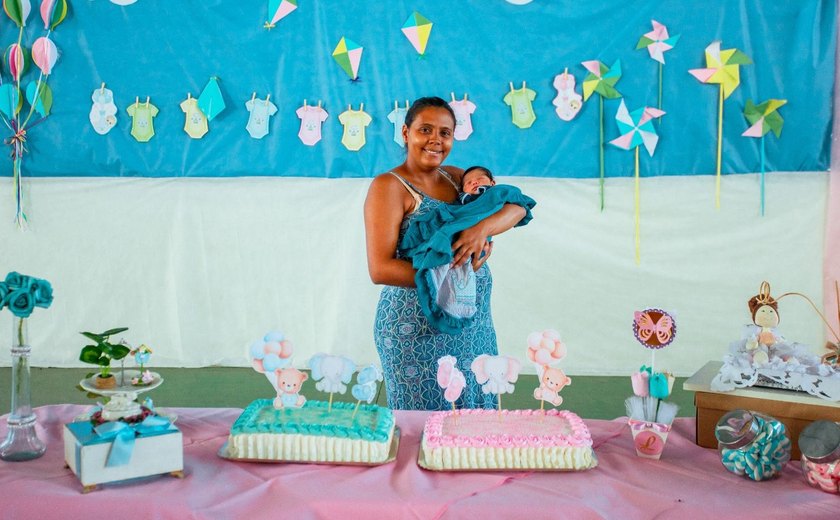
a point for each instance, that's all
(414, 192)
(449, 178)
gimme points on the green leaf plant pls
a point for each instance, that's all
(103, 351)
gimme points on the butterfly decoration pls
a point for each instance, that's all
(654, 328)
(450, 378)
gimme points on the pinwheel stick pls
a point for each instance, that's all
(601, 147)
(762, 175)
(637, 216)
(719, 147)
(659, 121)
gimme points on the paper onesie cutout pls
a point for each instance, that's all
(463, 117)
(522, 113)
(142, 123)
(397, 116)
(310, 123)
(568, 102)
(103, 113)
(195, 123)
(354, 122)
(261, 111)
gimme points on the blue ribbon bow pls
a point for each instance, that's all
(124, 435)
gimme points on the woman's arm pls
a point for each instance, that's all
(386, 204)
(472, 241)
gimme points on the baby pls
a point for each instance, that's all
(474, 182)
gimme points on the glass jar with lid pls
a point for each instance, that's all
(819, 443)
(752, 444)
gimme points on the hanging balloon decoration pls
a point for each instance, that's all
(44, 54)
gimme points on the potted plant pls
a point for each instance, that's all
(102, 353)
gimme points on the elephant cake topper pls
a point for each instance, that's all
(451, 379)
(546, 350)
(366, 385)
(496, 374)
(332, 374)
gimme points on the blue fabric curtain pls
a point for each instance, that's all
(165, 49)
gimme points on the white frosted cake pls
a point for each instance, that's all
(518, 439)
(311, 434)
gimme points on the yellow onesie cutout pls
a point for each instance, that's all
(195, 124)
(142, 121)
(354, 122)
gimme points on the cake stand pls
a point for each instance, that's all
(123, 397)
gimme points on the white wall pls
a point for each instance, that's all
(199, 268)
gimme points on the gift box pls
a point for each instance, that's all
(649, 438)
(117, 451)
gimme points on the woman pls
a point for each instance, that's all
(408, 347)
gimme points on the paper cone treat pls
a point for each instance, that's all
(649, 438)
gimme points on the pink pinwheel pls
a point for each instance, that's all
(450, 378)
(636, 129)
(657, 41)
(44, 54)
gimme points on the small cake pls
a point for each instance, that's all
(510, 439)
(311, 434)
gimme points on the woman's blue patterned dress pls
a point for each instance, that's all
(409, 347)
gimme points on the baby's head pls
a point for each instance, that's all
(474, 177)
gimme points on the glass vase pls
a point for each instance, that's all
(22, 443)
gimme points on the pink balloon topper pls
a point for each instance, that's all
(654, 328)
(44, 54)
(450, 378)
(545, 348)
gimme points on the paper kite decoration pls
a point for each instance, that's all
(722, 68)
(657, 41)
(417, 29)
(637, 129)
(348, 55)
(279, 9)
(601, 80)
(764, 118)
(211, 101)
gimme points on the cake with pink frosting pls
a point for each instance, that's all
(510, 439)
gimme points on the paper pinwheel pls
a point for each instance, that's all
(601, 80)
(450, 378)
(722, 67)
(417, 29)
(637, 129)
(279, 9)
(348, 55)
(45, 55)
(764, 118)
(211, 101)
(657, 42)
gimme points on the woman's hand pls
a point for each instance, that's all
(470, 245)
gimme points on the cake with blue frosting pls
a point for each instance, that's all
(315, 432)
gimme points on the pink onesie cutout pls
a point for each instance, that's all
(463, 121)
(310, 123)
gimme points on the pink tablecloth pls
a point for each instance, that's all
(687, 483)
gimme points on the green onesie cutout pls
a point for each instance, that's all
(195, 124)
(142, 125)
(522, 113)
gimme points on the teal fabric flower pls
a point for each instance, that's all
(4, 293)
(21, 302)
(41, 291)
(15, 280)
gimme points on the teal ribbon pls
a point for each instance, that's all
(124, 435)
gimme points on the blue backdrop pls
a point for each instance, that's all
(165, 49)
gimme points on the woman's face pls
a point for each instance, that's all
(766, 316)
(429, 138)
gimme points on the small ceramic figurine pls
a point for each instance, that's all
(765, 315)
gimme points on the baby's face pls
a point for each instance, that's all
(475, 179)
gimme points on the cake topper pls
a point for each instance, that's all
(332, 374)
(450, 378)
(496, 374)
(366, 385)
(544, 350)
(289, 381)
(270, 354)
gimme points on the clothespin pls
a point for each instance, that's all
(465, 96)
(319, 103)
(349, 107)
(102, 89)
(523, 85)
(253, 96)
(453, 96)
(304, 104)
(361, 107)
(565, 72)
(511, 86)
(189, 96)
(267, 97)
(406, 105)
(396, 104)
(147, 101)
(137, 101)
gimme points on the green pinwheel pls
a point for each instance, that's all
(601, 80)
(764, 118)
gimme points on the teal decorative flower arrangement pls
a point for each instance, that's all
(22, 293)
